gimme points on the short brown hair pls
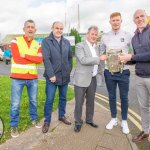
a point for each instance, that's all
(114, 14)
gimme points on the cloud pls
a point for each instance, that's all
(45, 12)
(17, 12)
(98, 12)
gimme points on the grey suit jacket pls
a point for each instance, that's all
(84, 65)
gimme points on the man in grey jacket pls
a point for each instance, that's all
(57, 56)
(87, 57)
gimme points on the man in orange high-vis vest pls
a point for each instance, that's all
(26, 54)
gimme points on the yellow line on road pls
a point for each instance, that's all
(129, 116)
(101, 106)
(132, 119)
(130, 110)
(105, 99)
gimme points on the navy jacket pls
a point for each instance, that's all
(57, 59)
(141, 47)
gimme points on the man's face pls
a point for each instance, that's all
(140, 19)
(92, 36)
(115, 23)
(57, 30)
(29, 29)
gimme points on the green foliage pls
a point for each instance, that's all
(74, 62)
(73, 50)
(5, 100)
(75, 33)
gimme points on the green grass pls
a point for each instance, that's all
(74, 62)
(5, 91)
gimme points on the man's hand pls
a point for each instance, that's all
(103, 57)
(125, 57)
(53, 79)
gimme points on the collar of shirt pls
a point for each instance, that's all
(117, 32)
(58, 40)
(27, 41)
(92, 49)
(138, 31)
(90, 45)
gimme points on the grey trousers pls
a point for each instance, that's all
(143, 95)
(87, 93)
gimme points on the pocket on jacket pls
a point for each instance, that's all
(57, 68)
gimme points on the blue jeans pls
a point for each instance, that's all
(16, 92)
(50, 94)
(122, 79)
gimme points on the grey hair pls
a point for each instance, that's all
(138, 11)
(56, 23)
(28, 21)
(93, 27)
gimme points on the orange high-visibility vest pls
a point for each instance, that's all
(24, 49)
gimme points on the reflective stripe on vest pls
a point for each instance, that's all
(23, 66)
(24, 49)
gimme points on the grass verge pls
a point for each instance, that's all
(5, 91)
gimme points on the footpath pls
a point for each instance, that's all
(63, 137)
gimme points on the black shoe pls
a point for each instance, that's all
(77, 128)
(45, 127)
(92, 124)
(64, 120)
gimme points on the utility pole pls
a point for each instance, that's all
(78, 19)
(65, 24)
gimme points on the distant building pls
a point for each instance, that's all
(39, 37)
(9, 37)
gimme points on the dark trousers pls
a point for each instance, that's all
(7, 61)
(122, 80)
(80, 94)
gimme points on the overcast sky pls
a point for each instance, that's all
(13, 14)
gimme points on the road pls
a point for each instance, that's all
(102, 99)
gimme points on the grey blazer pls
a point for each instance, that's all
(84, 65)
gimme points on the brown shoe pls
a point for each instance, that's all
(141, 136)
(64, 120)
(45, 127)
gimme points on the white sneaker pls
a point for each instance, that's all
(125, 128)
(14, 132)
(37, 124)
(112, 123)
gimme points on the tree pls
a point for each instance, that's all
(74, 32)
